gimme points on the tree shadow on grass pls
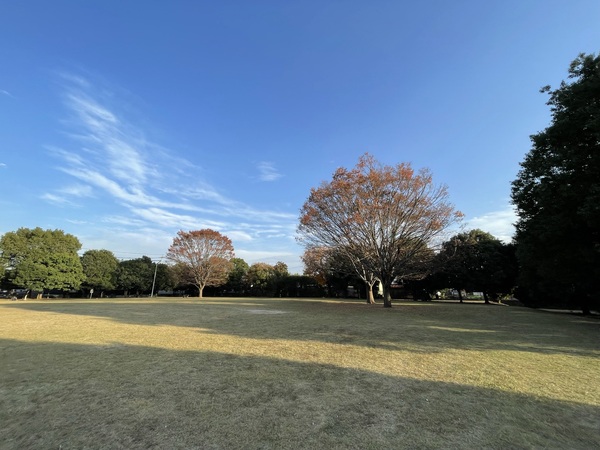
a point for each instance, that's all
(423, 327)
(122, 396)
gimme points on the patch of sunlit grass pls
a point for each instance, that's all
(284, 373)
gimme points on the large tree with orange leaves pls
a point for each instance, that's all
(382, 218)
(206, 254)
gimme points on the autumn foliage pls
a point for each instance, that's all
(204, 254)
(382, 218)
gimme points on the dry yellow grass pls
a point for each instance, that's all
(284, 373)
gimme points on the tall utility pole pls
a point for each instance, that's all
(154, 279)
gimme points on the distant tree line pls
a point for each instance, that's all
(47, 262)
(473, 261)
(41, 262)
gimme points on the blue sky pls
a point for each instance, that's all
(123, 122)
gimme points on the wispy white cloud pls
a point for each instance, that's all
(125, 221)
(77, 190)
(8, 94)
(172, 220)
(128, 243)
(267, 171)
(77, 222)
(73, 79)
(270, 257)
(239, 236)
(119, 147)
(265, 216)
(498, 223)
(58, 200)
(114, 161)
(128, 194)
(200, 191)
(2, 165)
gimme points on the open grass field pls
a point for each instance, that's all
(286, 373)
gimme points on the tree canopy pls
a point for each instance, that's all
(383, 217)
(40, 259)
(477, 261)
(557, 195)
(135, 275)
(207, 255)
(260, 278)
(99, 267)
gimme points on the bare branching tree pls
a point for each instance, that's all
(382, 218)
(206, 254)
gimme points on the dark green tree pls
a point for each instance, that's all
(477, 261)
(557, 195)
(300, 286)
(236, 280)
(260, 278)
(166, 278)
(280, 274)
(280, 270)
(135, 275)
(38, 259)
(182, 275)
(99, 267)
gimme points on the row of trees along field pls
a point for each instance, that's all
(473, 261)
(384, 224)
(47, 260)
(41, 261)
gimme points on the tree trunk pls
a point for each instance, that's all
(387, 296)
(586, 309)
(200, 289)
(370, 297)
(387, 300)
(486, 298)
(460, 295)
